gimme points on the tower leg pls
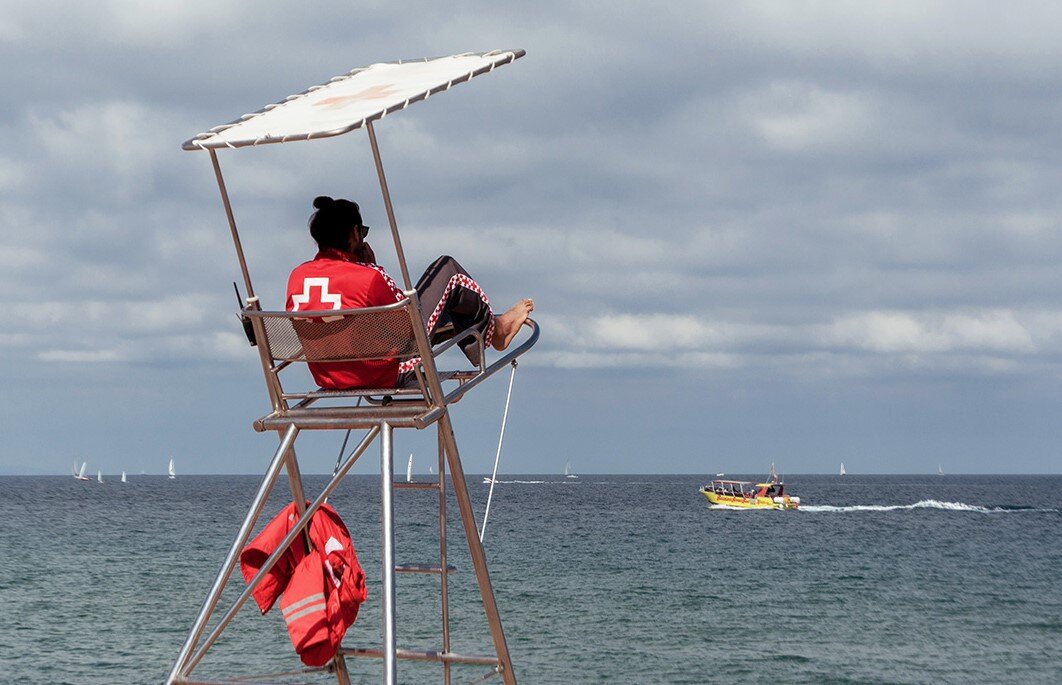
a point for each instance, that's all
(340, 666)
(444, 591)
(475, 547)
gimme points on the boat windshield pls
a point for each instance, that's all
(733, 488)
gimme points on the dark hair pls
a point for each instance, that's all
(331, 224)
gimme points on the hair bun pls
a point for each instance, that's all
(322, 201)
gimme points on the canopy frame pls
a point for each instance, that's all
(210, 142)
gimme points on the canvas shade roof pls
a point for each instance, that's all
(347, 102)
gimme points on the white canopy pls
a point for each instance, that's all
(347, 102)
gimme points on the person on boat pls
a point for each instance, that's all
(344, 275)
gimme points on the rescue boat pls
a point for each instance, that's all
(740, 494)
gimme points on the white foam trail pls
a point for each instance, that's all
(519, 482)
(924, 504)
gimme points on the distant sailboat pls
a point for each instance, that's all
(431, 470)
(568, 470)
(80, 475)
(940, 470)
(842, 468)
(123, 477)
(99, 477)
(172, 473)
(409, 469)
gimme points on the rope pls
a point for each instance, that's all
(342, 449)
(339, 459)
(497, 456)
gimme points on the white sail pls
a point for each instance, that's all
(568, 470)
(940, 470)
(99, 476)
(123, 477)
(81, 473)
(842, 468)
(170, 471)
(409, 469)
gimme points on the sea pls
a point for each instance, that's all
(599, 579)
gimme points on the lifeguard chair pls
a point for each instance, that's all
(284, 339)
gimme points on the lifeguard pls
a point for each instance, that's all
(344, 275)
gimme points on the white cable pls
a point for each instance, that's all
(497, 456)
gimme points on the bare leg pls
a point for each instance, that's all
(508, 324)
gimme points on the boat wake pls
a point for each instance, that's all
(924, 504)
(499, 481)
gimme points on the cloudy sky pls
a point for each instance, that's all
(800, 232)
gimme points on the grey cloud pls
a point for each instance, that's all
(818, 192)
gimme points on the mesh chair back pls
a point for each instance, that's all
(340, 335)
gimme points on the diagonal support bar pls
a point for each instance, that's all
(282, 548)
(181, 667)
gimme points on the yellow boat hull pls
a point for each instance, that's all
(749, 502)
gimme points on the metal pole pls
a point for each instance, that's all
(340, 666)
(387, 205)
(388, 509)
(475, 548)
(298, 495)
(232, 222)
(444, 587)
(214, 595)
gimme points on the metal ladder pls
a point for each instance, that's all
(442, 569)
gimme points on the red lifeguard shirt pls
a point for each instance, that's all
(334, 280)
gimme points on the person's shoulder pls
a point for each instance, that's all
(377, 270)
(384, 282)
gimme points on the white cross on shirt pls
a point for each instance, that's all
(327, 298)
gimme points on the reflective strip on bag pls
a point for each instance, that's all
(313, 608)
(299, 609)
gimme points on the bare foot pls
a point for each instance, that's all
(508, 324)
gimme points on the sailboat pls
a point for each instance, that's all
(170, 471)
(80, 475)
(842, 468)
(940, 470)
(123, 477)
(568, 470)
(409, 469)
(99, 476)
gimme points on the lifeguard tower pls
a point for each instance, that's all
(284, 340)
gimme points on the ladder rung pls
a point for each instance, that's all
(416, 486)
(423, 568)
(424, 655)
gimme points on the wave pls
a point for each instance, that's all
(924, 504)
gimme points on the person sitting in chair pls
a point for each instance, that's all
(344, 275)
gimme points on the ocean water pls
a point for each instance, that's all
(618, 579)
